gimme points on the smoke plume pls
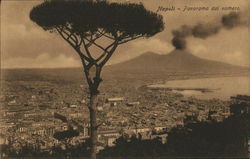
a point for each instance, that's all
(203, 31)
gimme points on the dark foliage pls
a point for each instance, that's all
(208, 139)
(225, 138)
(134, 147)
(79, 150)
(65, 134)
(61, 117)
(85, 17)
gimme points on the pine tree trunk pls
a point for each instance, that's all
(93, 126)
(93, 90)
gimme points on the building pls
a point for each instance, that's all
(108, 137)
(115, 101)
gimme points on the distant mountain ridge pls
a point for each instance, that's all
(146, 66)
(175, 61)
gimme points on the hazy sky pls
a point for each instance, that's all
(24, 44)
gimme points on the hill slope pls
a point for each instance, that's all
(147, 66)
(175, 61)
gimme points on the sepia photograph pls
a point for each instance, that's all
(125, 79)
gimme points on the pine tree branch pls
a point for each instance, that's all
(82, 56)
(92, 42)
(110, 53)
(69, 35)
(105, 52)
(129, 39)
(64, 37)
(104, 34)
(86, 72)
(87, 50)
(70, 30)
